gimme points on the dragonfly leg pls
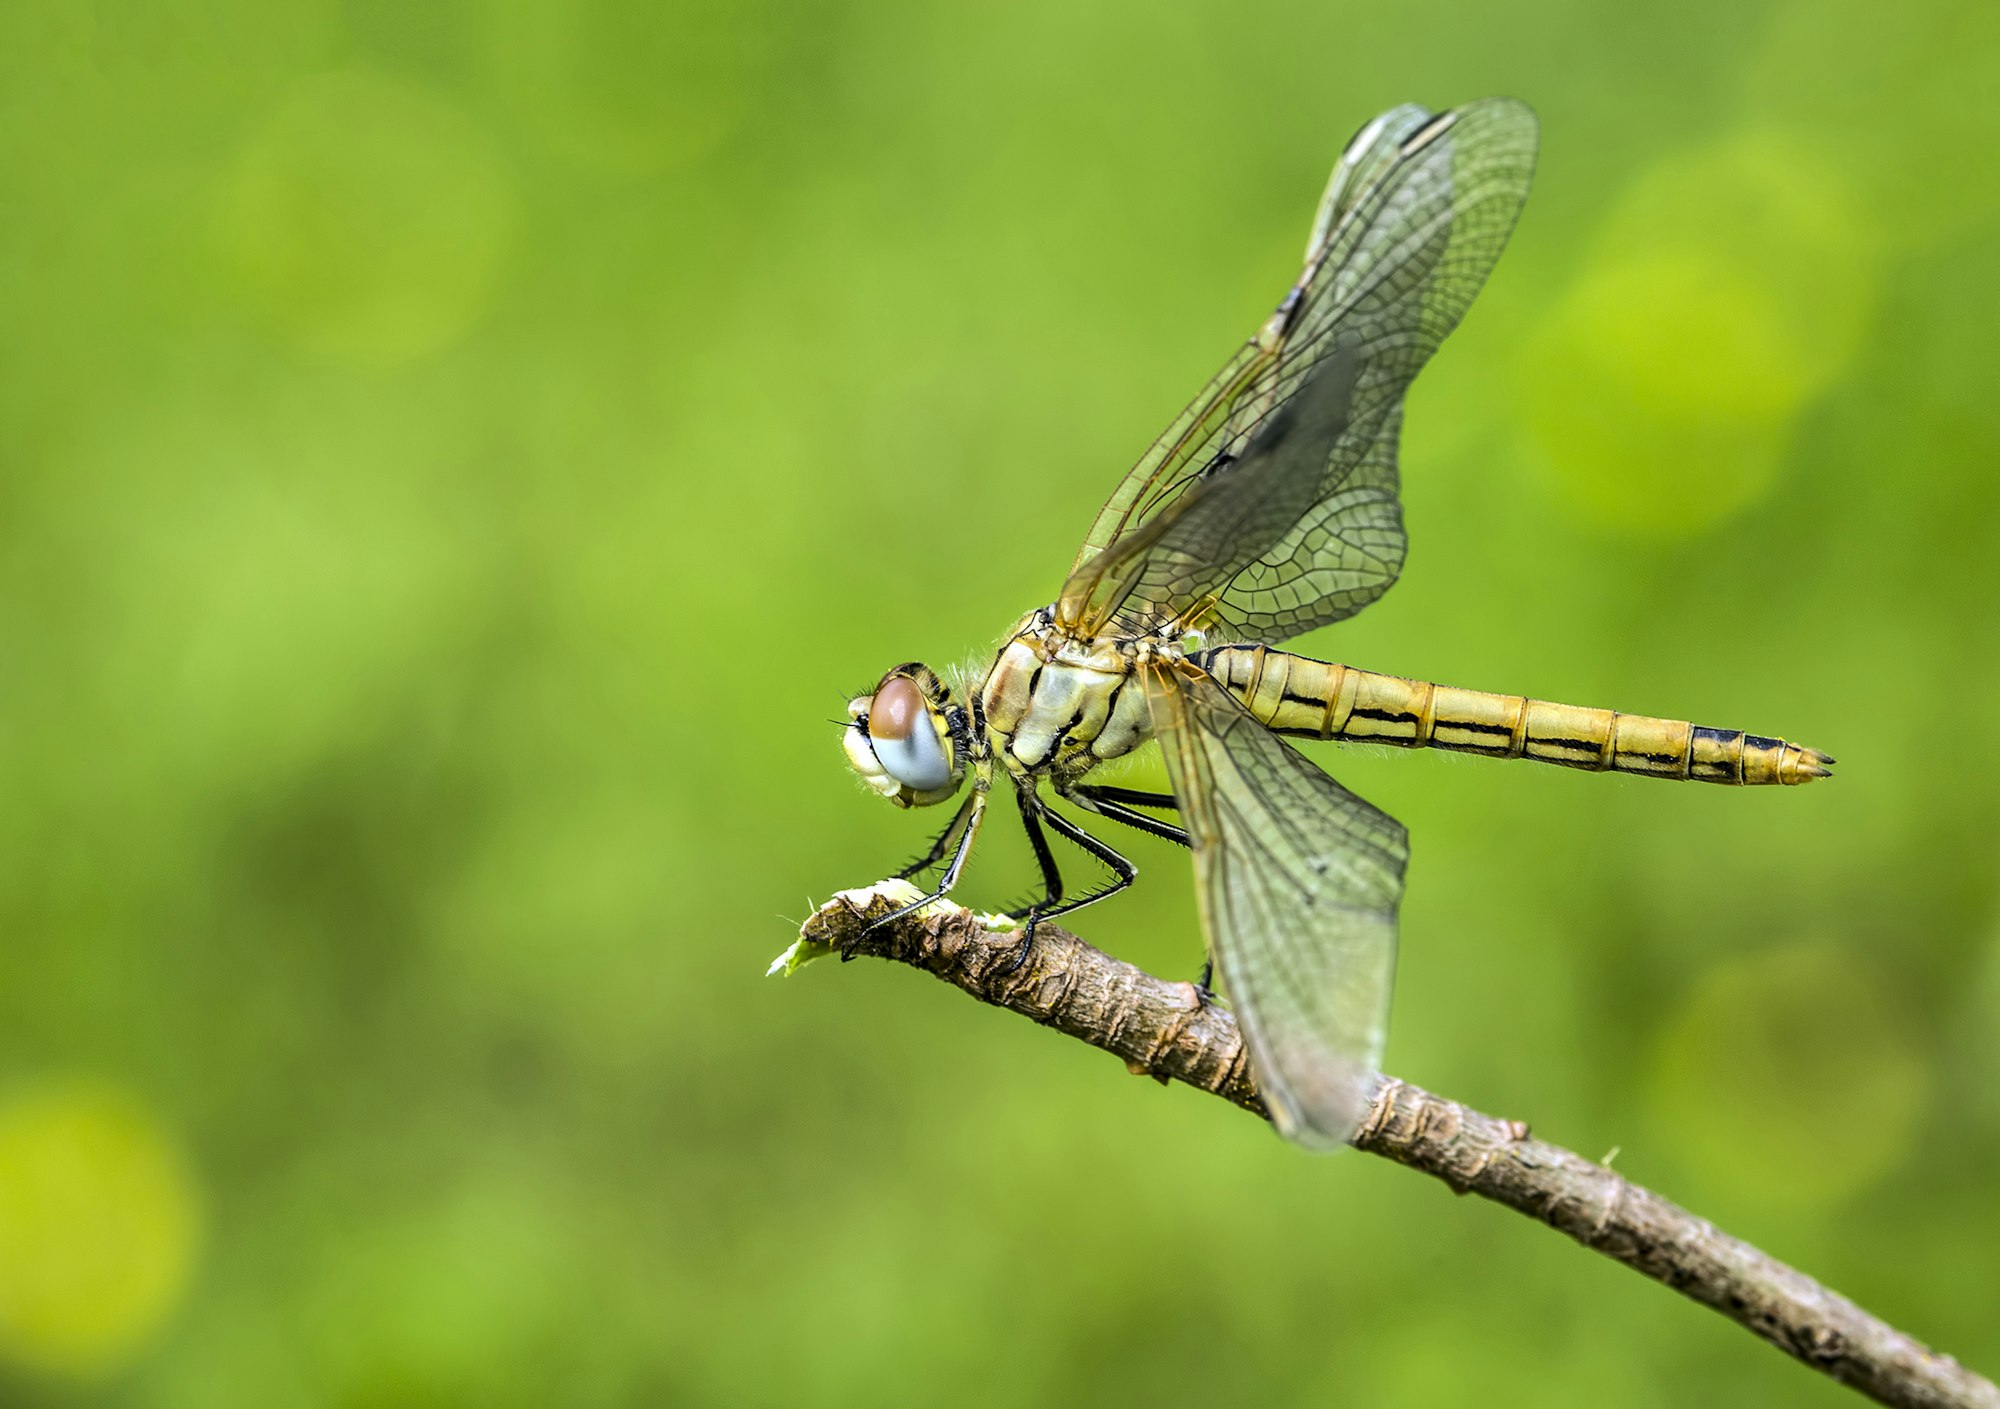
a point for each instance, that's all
(1119, 803)
(1137, 797)
(975, 808)
(1034, 813)
(940, 845)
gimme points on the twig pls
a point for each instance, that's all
(1163, 1030)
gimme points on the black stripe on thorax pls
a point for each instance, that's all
(1111, 705)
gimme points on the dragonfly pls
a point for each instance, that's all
(1269, 508)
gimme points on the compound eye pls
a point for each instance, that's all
(906, 743)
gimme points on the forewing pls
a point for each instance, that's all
(1178, 564)
(1417, 212)
(1298, 882)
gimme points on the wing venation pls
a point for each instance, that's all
(1418, 209)
(1298, 881)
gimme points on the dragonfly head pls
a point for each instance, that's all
(908, 740)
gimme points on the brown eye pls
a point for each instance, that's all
(898, 707)
(899, 725)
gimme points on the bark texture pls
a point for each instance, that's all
(1164, 1030)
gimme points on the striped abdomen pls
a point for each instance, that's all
(1296, 695)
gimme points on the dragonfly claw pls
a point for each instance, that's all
(1027, 943)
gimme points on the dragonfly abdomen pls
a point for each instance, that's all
(1318, 699)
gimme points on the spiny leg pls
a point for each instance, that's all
(1055, 902)
(1122, 870)
(940, 845)
(1032, 813)
(1137, 797)
(1118, 805)
(975, 809)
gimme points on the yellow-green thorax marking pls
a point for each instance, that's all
(1057, 706)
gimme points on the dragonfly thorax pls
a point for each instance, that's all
(1057, 706)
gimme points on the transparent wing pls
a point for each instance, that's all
(1418, 210)
(1298, 882)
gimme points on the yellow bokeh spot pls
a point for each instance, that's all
(98, 1227)
(1727, 290)
(1793, 1075)
(370, 216)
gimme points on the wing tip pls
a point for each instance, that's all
(1333, 1113)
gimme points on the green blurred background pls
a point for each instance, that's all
(456, 458)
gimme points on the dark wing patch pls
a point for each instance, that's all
(1417, 212)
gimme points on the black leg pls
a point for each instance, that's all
(1132, 797)
(1032, 813)
(974, 809)
(1054, 900)
(938, 847)
(1203, 991)
(1118, 804)
(1122, 870)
